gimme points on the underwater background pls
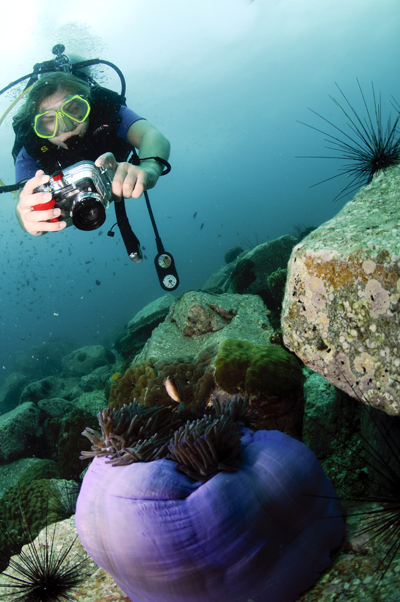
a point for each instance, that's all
(226, 82)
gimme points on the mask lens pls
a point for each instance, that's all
(46, 124)
(76, 108)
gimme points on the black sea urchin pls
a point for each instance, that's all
(367, 479)
(369, 147)
(43, 571)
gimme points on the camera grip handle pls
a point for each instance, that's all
(44, 206)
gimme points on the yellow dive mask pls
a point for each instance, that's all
(51, 122)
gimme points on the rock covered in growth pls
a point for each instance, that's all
(11, 390)
(198, 319)
(341, 312)
(44, 359)
(139, 329)
(20, 432)
(49, 388)
(86, 359)
(252, 271)
(26, 470)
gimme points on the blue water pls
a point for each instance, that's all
(226, 82)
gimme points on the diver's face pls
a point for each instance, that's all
(75, 129)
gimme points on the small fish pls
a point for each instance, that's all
(116, 376)
(172, 389)
(143, 247)
(202, 226)
(194, 215)
(98, 282)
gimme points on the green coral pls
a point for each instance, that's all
(242, 367)
(24, 511)
(192, 376)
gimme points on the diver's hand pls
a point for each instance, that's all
(129, 181)
(35, 222)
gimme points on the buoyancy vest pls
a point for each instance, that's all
(100, 137)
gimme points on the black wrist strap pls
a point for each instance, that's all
(162, 162)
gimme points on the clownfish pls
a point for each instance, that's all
(172, 389)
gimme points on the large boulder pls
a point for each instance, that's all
(341, 310)
(139, 329)
(48, 388)
(42, 360)
(26, 470)
(86, 359)
(252, 271)
(197, 320)
(20, 433)
(11, 390)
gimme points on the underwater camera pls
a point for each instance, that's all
(82, 192)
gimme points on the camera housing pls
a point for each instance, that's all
(82, 192)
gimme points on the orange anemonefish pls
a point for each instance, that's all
(172, 389)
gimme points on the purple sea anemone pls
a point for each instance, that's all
(263, 533)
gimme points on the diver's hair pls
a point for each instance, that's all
(48, 85)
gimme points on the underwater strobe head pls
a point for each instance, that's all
(82, 192)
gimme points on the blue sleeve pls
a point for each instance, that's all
(25, 166)
(128, 117)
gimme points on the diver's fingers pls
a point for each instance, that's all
(140, 185)
(107, 160)
(123, 172)
(24, 198)
(130, 183)
(38, 228)
(46, 227)
(34, 217)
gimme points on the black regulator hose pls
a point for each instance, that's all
(48, 67)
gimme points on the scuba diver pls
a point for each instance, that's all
(65, 120)
(75, 152)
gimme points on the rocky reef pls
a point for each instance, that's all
(341, 311)
(167, 427)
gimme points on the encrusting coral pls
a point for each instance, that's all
(144, 382)
(39, 500)
(244, 368)
(210, 534)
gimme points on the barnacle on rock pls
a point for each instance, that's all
(204, 447)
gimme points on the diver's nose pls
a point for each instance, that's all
(65, 124)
